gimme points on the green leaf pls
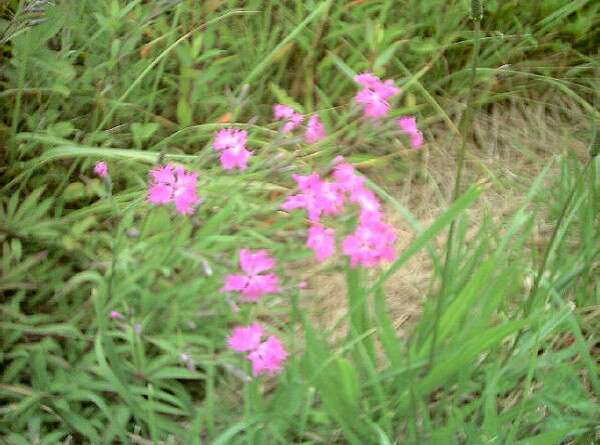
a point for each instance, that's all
(462, 359)
(142, 132)
(348, 380)
(184, 112)
(549, 437)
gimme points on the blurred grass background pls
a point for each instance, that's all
(82, 80)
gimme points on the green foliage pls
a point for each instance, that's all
(139, 82)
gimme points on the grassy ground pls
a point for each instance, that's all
(495, 342)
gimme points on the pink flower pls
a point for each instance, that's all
(345, 176)
(235, 157)
(163, 174)
(322, 241)
(366, 200)
(367, 80)
(408, 125)
(115, 315)
(173, 184)
(374, 95)
(101, 169)
(374, 105)
(254, 284)
(292, 123)
(288, 115)
(245, 338)
(160, 193)
(232, 145)
(387, 89)
(268, 358)
(371, 243)
(282, 112)
(350, 182)
(317, 197)
(228, 138)
(315, 131)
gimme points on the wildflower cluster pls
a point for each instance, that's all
(373, 240)
(287, 114)
(315, 131)
(374, 99)
(267, 356)
(370, 244)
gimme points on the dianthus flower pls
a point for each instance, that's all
(315, 131)
(116, 315)
(245, 338)
(173, 184)
(374, 95)
(366, 200)
(101, 169)
(408, 125)
(268, 358)
(322, 241)
(371, 243)
(345, 176)
(317, 197)
(254, 284)
(232, 145)
(288, 115)
(347, 180)
(235, 157)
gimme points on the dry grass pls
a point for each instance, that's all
(513, 143)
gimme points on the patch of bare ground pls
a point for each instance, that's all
(512, 143)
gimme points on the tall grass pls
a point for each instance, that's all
(505, 350)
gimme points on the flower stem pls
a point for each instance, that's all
(465, 129)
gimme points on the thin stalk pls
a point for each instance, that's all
(466, 124)
(161, 67)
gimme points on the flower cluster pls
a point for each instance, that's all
(254, 283)
(373, 240)
(370, 244)
(231, 143)
(170, 183)
(315, 131)
(266, 356)
(316, 196)
(374, 98)
(287, 114)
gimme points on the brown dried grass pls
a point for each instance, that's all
(512, 144)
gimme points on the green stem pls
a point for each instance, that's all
(359, 317)
(466, 124)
